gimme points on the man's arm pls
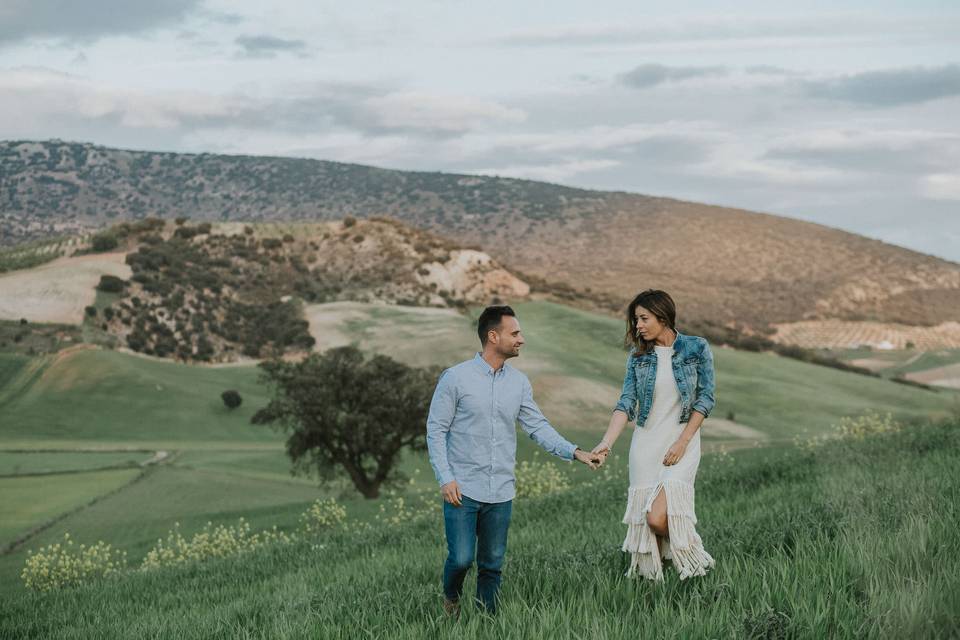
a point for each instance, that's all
(536, 425)
(442, 409)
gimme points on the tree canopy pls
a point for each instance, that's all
(350, 413)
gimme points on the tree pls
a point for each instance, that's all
(104, 242)
(343, 411)
(231, 399)
(111, 284)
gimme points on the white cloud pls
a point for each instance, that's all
(941, 186)
(431, 111)
(744, 30)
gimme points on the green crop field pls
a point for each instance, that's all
(29, 501)
(856, 539)
(45, 462)
(221, 467)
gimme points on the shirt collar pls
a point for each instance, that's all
(485, 367)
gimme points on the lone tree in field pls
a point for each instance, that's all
(231, 398)
(344, 411)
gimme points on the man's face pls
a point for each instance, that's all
(507, 339)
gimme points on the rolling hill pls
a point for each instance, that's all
(726, 267)
(79, 423)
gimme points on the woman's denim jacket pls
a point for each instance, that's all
(692, 369)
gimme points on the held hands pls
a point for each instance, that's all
(593, 459)
(675, 452)
(589, 458)
(603, 450)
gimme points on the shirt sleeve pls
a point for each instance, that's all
(535, 424)
(443, 406)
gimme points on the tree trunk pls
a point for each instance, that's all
(370, 489)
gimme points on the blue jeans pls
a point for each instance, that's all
(475, 529)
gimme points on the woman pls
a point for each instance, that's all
(668, 391)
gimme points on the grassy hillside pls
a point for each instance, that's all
(724, 265)
(221, 467)
(851, 540)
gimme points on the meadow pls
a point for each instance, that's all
(854, 538)
(87, 411)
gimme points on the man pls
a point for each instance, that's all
(472, 440)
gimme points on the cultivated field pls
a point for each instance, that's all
(59, 290)
(840, 334)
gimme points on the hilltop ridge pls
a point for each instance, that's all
(751, 272)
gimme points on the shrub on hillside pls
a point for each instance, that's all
(349, 221)
(210, 542)
(103, 242)
(324, 514)
(231, 399)
(64, 564)
(111, 284)
(535, 478)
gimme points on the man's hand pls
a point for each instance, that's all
(592, 460)
(451, 493)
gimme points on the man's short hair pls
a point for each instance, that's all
(490, 319)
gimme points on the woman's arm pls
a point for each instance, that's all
(624, 412)
(617, 422)
(702, 404)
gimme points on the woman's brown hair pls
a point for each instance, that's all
(657, 302)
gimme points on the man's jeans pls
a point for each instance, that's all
(475, 529)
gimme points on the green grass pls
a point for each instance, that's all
(111, 397)
(134, 518)
(11, 366)
(27, 502)
(97, 395)
(225, 467)
(854, 540)
(33, 462)
(928, 360)
(902, 361)
(779, 396)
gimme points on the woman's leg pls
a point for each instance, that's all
(657, 515)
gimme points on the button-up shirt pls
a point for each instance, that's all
(471, 428)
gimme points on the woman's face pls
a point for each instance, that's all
(648, 326)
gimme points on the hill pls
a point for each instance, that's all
(727, 268)
(226, 291)
(799, 553)
(79, 424)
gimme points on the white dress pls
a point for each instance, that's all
(648, 474)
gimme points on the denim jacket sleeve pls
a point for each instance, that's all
(628, 394)
(705, 382)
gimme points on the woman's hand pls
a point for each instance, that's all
(603, 449)
(675, 452)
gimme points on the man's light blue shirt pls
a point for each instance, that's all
(471, 429)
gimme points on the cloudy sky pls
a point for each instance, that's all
(845, 116)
